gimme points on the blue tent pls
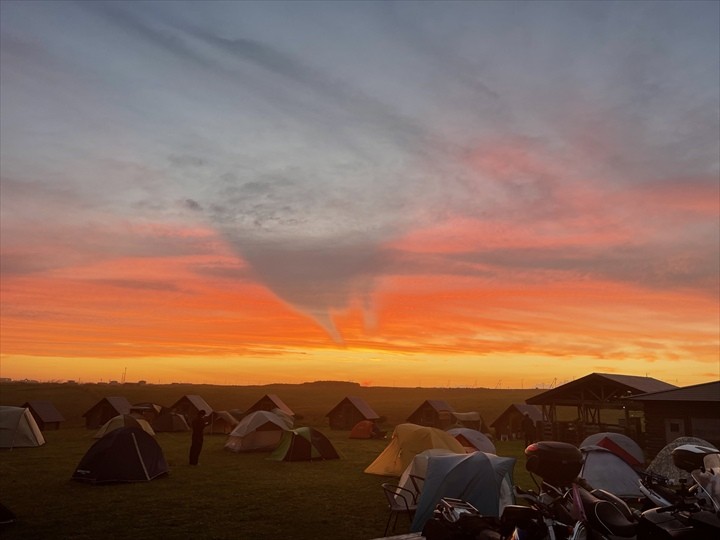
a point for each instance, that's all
(483, 480)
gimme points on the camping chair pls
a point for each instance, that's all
(417, 482)
(400, 501)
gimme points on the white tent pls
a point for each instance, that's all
(473, 439)
(620, 445)
(603, 469)
(260, 430)
(18, 428)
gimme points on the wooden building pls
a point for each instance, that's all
(690, 411)
(269, 402)
(349, 412)
(593, 404)
(46, 416)
(508, 425)
(104, 410)
(189, 405)
(433, 413)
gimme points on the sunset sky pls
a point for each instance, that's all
(502, 194)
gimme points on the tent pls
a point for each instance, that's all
(418, 468)
(473, 439)
(260, 430)
(603, 469)
(304, 444)
(168, 420)
(663, 463)
(18, 428)
(126, 454)
(483, 480)
(366, 429)
(407, 441)
(123, 420)
(620, 445)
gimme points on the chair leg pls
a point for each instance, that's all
(387, 525)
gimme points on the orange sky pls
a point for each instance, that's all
(164, 322)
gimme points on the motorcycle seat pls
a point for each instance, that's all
(607, 517)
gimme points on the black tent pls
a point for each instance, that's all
(123, 455)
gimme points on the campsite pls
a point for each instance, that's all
(283, 472)
(230, 494)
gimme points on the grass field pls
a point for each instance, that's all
(241, 496)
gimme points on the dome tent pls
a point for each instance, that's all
(126, 454)
(18, 428)
(123, 420)
(483, 480)
(260, 430)
(304, 444)
(407, 441)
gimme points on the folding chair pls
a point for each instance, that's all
(400, 501)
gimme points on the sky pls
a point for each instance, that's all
(481, 194)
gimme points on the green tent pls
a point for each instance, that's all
(304, 444)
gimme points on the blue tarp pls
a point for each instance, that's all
(483, 480)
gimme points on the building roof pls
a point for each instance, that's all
(119, 403)
(44, 410)
(439, 405)
(704, 392)
(520, 408)
(276, 401)
(361, 405)
(196, 401)
(601, 387)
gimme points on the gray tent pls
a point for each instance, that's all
(663, 463)
(603, 469)
(18, 428)
(483, 480)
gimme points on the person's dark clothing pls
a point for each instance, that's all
(198, 427)
(529, 429)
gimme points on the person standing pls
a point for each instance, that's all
(198, 428)
(529, 429)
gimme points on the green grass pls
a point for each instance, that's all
(241, 496)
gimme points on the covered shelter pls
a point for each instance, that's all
(350, 411)
(435, 413)
(508, 425)
(45, 414)
(269, 402)
(105, 409)
(594, 403)
(189, 405)
(689, 411)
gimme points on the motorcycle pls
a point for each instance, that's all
(564, 509)
(694, 514)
